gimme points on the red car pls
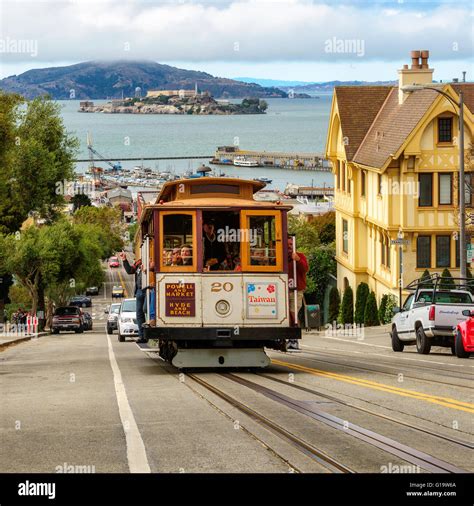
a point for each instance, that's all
(464, 338)
(113, 262)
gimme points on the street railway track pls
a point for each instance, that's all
(424, 460)
(459, 442)
(407, 364)
(361, 368)
(319, 456)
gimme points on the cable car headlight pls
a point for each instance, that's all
(222, 307)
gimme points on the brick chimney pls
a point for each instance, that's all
(418, 73)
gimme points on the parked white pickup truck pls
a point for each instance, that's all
(429, 317)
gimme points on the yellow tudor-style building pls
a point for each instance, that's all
(395, 159)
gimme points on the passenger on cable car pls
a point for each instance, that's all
(214, 250)
(186, 255)
(175, 258)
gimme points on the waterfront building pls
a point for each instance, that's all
(395, 160)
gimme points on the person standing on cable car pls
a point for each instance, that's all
(299, 259)
(214, 250)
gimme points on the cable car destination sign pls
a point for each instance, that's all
(180, 299)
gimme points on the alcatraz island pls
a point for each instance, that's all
(176, 102)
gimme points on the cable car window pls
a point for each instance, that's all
(215, 188)
(262, 243)
(178, 241)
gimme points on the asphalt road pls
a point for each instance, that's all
(88, 400)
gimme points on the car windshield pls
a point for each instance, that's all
(115, 308)
(114, 259)
(129, 306)
(65, 311)
(117, 288)
(76, 298)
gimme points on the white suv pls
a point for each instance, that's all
(112, 318)
(127, 319)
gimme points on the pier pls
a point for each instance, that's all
(225, 155)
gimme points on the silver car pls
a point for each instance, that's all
(113, 312)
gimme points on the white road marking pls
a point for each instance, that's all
(355, 341)
(136, 453)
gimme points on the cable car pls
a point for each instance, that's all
(220, 287)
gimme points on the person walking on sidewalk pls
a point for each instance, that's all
(299, 259)
(139, 292)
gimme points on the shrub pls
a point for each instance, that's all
(347, 307)
(334, 304)
(383, 308)
(392, 301)
(371, 315)
(426, 276)
(447, 281)
(361, 300)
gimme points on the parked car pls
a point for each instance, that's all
(113, 313)
(92, 290)
(81, 301)
(67, 318)
(114, 262)
(127, 319)
(117, 291)
(464, 338)
(87, 318)
(429, 317)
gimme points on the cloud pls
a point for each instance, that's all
(240, 31)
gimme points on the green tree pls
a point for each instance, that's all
(334, 304)
(80, 200)
(37, 157)
(371, 315)
(347, 307)
(263, 105)
(108, 226)
(392, 302)
(447, 281)
(361, 299)
(321, 265)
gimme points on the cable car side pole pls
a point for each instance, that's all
(295, 286)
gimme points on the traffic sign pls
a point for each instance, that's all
(400, 242)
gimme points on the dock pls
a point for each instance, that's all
(225, 155)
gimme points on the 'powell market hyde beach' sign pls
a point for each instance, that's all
(180, 299)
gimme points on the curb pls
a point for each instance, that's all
(4, 346)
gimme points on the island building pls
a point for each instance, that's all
(395, 159)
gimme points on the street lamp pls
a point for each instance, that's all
(462, 181)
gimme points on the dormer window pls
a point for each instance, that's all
(445, 130)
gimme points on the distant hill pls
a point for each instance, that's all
(101, 80)
(315, 88)
(271, 82)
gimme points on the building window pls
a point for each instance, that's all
(443, 251)
(362, 183)
(445, 129)
(379, 184)
(338, 175)
(425, 182)
(423, 251)
(345, 236)
(445, 189)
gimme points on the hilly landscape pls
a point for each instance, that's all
(106, 80)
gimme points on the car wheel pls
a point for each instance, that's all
(121, 338)
(109, 330)
(453, 349)
(55, 331)
(80, 330)
(397, 345)
(459, 347)
(423, 346)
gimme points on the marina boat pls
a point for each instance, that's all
(263, 180)
(241, 161)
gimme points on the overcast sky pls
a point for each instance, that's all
(280, 39)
